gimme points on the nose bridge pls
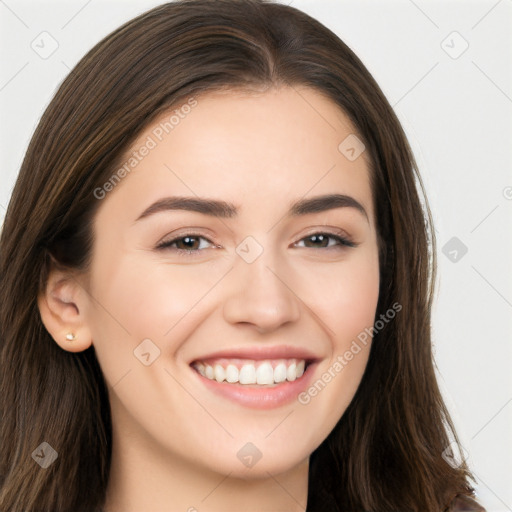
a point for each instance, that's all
(260, 294)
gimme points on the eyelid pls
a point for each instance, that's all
(331, 231)
(171, 239)
(342, 242)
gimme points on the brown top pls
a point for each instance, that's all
(463, 503)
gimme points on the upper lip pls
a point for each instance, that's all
(261, 352)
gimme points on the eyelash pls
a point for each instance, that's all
(342, 242)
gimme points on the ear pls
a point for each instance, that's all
(62, 308)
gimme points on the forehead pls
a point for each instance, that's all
(249, 148)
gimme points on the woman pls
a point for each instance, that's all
(216, 282)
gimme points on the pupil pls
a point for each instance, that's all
(318, 238)
(189, 240)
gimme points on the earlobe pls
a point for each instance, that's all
(62, 309)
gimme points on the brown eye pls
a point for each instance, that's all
(322, 241)
(187, 244)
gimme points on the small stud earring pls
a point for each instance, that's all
(70, 336)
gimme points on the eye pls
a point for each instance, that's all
(322, 241)
(190, 243)
(186, 245)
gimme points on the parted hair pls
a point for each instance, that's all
(385, 453)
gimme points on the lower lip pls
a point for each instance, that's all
(261, 397)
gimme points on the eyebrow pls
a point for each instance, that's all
(226, 210)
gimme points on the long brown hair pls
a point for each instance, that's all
(386, 452)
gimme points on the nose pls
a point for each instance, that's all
(260, 295)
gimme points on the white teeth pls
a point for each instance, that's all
(247, 374)
(280, 373)
(219, 372)
(291, 372)
(265, 374)
(208, 372)
(259, 372)
(300, 369)
(232, 373)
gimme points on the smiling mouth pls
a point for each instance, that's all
(252, 373)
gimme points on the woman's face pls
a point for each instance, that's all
(265, 288)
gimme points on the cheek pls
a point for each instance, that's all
(344, 296)
(140, 298)
(346, 302)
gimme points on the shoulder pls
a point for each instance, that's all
(463, 503)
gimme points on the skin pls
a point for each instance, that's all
(175, 442)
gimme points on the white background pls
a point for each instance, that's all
(457, 113)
